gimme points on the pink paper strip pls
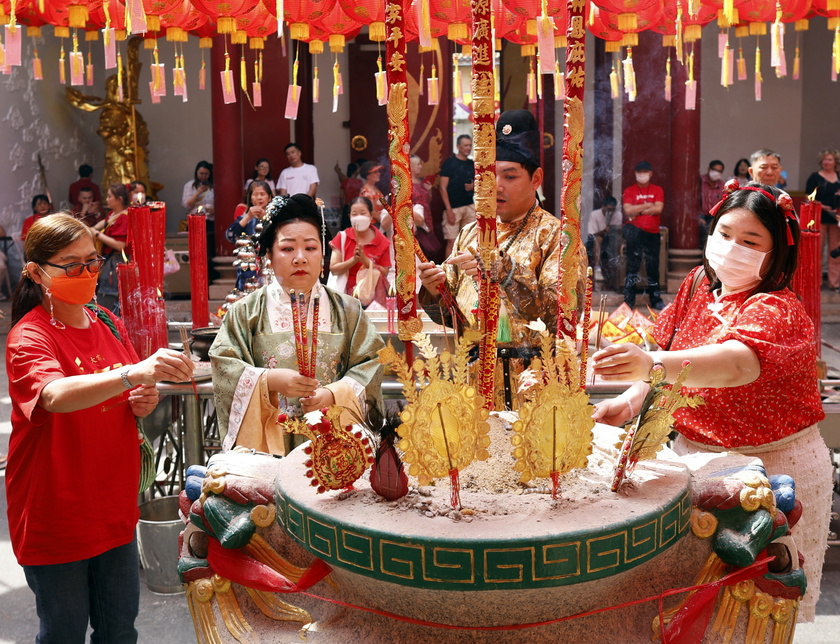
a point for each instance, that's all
(14, 38)
(292, 102)
(110, 48)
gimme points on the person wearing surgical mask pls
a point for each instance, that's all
(711, 187)
(77, 389)
(750, 344)
(362, 246)
(642, 204)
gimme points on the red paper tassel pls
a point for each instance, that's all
(455, 496)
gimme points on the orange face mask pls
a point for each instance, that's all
(73, 290)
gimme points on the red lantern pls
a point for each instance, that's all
(644, 19)
(180, 19)
(720, 7)
(205, 34)
(367, 12)
(257, 24)
(600, 29)
(437, 29)
(225, 13)
(299, 14)
(116, 13)
(338, 27)
(628, 13)
(692, 25)
(26, 13)
(455, 13)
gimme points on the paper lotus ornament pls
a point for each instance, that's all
(444, 426)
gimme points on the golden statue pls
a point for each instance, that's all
(122, 128)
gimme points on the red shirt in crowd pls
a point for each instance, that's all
(378, 251)
(636, 195)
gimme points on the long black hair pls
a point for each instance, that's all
(198, 166)
(47, 237)
(785, 257)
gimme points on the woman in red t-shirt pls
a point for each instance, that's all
(73, 470)
(753, 356)
(362, 247)
(111, 235)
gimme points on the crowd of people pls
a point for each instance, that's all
(77, 386)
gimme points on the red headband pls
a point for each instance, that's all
(783, 201)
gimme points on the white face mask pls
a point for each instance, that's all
(642, 177)
(714, 175)
(736, 266)
(360, 223)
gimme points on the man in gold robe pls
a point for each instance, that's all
(529, 243)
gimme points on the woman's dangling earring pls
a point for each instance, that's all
(58, 324)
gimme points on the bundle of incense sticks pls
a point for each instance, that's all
(185, 342)
(306, 352)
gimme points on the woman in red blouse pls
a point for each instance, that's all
(110, 236)
(753, 355)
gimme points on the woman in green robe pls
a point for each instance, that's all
(255, 370)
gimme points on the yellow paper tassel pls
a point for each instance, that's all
(457, 88)
(337, 42)
(91, 36)
(530, 27)
(456, 31)
(833, 23)
(77, 16)
(226, 25)
(421, 76)
(62, 72)
(336, 84)
(37, 69)
(836, 49)
(2, 57)
(228, 86)
(539, 78)
(796, 64)
(424, 24)
(299, 31)
(434, 87)
(531, 85)
(316, 85)
(257, 43)
(742, 31)
(758, 29)
(205, 43)
(61, 32)
(629, 76)
(497, 44)
(678, 34)
(668, 79)
(614, 91)
(742, 65)
(724, 67)
(295, 67)
(120, 34)
(497, 85)
(238, 37)
(801, 25)
(175, 34)
(669, 40)
(243, 75)
(33, 32)
(316, 47)
(202, 74)
(466, 50)
(730, 12)
(612, 46)
(119, 76)
(559, 83)
(152, 23)
(560, 41)
(149, 43)
(376, 31)
(627, 22)
(692, 33)
(630, 40)
(833, 5)
(528, 50)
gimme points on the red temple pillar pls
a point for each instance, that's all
(227, 146)
(685, 160)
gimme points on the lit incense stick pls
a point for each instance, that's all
(587, 315)
(601, 306)
(314, 350)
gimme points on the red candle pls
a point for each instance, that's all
(808, 276)
(128, 283)
(197, 226)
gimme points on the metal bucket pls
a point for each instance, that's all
(157, 539)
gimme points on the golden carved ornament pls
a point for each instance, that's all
(444, 427)
(703, 524)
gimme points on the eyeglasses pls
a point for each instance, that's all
(75, 269)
